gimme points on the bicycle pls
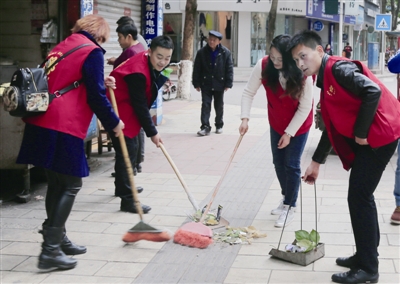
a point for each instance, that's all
(169, 87)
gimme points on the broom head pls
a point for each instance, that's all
(143, 231)
(194, 234)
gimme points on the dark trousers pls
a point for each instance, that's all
(365, 175)
(140, 151)
(206, 98)
(61, 192)
(122, 185)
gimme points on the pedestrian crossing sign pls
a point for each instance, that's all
(383, 22)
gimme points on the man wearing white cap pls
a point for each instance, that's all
(213, 75)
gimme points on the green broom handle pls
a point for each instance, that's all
(127, 160)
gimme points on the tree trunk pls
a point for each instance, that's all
(186, 66)
(395, 13)
(271, 24)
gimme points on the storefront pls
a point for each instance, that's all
(112, 11)
(329, 27)
(243, 25)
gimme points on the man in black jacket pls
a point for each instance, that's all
(213, 75)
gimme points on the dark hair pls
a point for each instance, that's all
(161, 41)
(124, 20)
(128, 29)
(307, 38)
(293, 75)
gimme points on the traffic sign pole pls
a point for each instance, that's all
(382, 58)
(383, 23)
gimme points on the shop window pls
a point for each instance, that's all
(173, 29)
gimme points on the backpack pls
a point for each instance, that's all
(28, 93)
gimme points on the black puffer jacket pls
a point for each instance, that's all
(213, 79)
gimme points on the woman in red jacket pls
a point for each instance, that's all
(54, 139)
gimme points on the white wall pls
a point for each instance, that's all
(244, 28)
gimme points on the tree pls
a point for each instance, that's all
(395, 10)
(186, 66)
(271, 23)
(393, 7)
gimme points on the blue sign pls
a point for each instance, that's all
(318, 26)
(153, 19)
(316, 10)
(383, 22)
(86, 7)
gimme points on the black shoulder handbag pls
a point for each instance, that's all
(28, 93)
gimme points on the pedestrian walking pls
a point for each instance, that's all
(54, 140)
(213, 76)
(138, 80)
(394, 67)
(328, 49)
(362, 124)
(289, 97)
(347, 51)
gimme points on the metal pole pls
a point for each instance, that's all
(340, 37)
(382, 57)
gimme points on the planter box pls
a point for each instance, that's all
(300, 258)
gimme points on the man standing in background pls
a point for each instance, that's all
(213, 75)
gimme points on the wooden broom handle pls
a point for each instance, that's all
(127, 160)
(220, 180)
(178, 174)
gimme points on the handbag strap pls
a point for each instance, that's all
(75, 84)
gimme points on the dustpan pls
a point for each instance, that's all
(301, 258)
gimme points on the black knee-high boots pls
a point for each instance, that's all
(52, 256)
(62, 190)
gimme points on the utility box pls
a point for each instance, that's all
(373, 55)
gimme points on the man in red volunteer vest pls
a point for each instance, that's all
(138, 80)
(362, 123)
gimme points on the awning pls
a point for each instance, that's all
(394, 34)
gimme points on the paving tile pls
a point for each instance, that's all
(3, 244)
(84, 267)
(389, 252)
(121, 269)
(22, 277)
(19, 223)
(8, 262)
(393, 239)
(265, 262)
(86, 279)
(19, 235)
(239, 275)
(279, 276)
(119, 254)
(22, 248)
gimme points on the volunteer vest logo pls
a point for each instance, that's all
(331, 91)
(50, 62)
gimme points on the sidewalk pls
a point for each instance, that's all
(248, 193)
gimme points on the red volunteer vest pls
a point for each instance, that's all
(135, 64)
(69, 113)
(339, 109)
(281, 108)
